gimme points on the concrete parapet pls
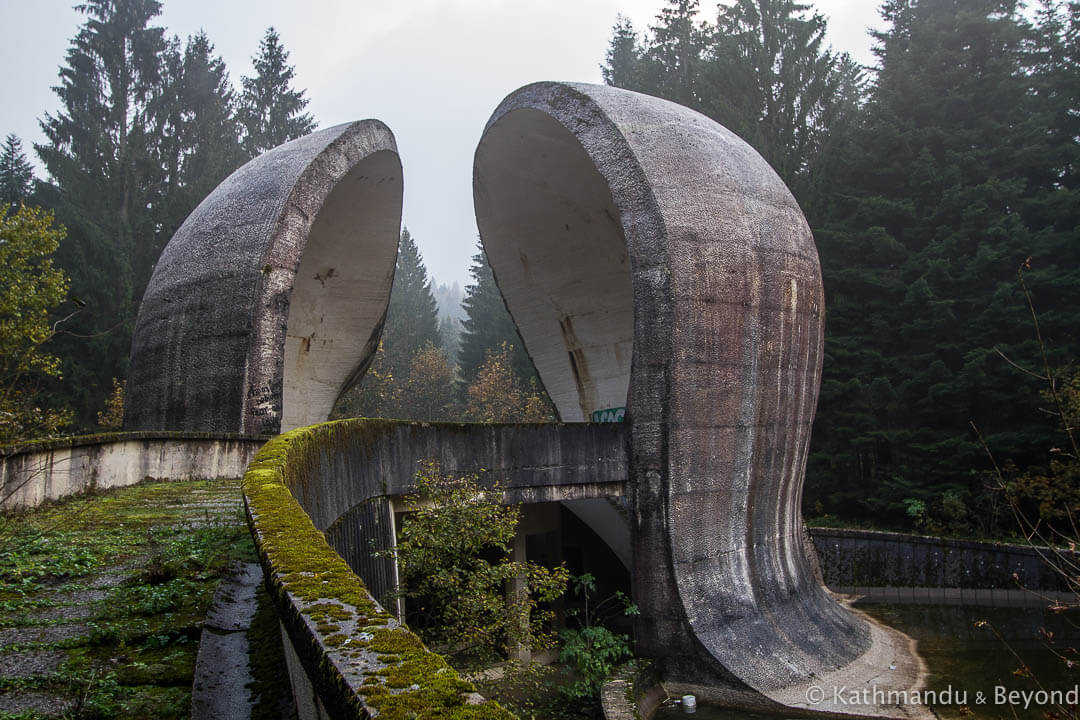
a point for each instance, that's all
(33, 473)
(354, 657)
(866, 558)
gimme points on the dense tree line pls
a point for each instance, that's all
(478, 373)
(928, 181)
(147, 126)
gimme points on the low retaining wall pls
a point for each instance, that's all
(33, 473)
(864, 558)
(632, 692)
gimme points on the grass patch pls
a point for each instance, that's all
(159, 554)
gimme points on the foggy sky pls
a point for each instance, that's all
(433, 70)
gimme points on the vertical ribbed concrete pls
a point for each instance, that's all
(614, 220)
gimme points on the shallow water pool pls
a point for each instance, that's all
(973, 650)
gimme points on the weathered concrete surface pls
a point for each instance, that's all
(268, 302)
(34, 473)
(348, 470)
(860, 558)
(653, 260)
(336, 466)
(223, 668)
(368, 459)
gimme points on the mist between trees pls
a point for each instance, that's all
(927, 179)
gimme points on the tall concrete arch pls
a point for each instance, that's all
(269, 300)
(651, 259)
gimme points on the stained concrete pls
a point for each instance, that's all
(268, 301)
(38, 472)
(234, 604)
(877, 559)
(652, 260)
(616, 221)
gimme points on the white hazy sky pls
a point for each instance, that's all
(433, 70)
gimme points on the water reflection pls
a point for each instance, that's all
(973, 650)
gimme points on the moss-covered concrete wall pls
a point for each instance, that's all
(355, 657)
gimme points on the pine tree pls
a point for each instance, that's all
(672, 63)
(487, 326)
(623, 59)
(196, 128)
(929, 220)
(271, 111)
(209, 134)
(412, 317)
(449, 299)
(762, 71)
(16, 174)
(771, 80)
(99, 157)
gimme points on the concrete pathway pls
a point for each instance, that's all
(60, 618)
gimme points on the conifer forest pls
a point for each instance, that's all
(941, 183)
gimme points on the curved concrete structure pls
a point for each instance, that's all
(269, 300)
(306, 484)
(653, 260)
(659, 272)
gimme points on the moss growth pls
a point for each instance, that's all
(308, 574)
(137, 657)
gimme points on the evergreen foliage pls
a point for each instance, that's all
(938, 197)
(762, 71)
(412, 317)
(449, 299)
(16, 174)
(99, 156)
(488, 326)
(272, 111)
(197, 122)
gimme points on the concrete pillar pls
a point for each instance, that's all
(516, 596)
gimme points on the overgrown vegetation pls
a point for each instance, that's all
(122, 580)
(455, 554)
(591, 651)
(31, 288)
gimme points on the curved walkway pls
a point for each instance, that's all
(103, 598)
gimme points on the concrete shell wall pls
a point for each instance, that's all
(52, 470)
(268, 302)
(696, 256)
